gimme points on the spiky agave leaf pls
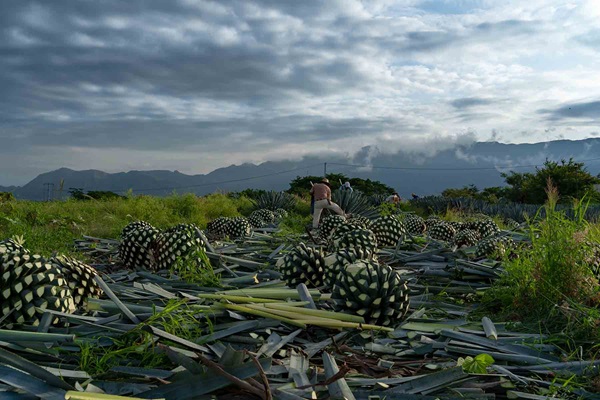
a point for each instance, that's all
(273, 200)
(177, 243)
(354, 203)
(79, 277)
(388, 230)
(377, 199)
(375, 292)
(29, 284)
(337, 261)
(302, 265)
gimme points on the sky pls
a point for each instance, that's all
(195, 85)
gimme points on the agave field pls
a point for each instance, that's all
(382, 305)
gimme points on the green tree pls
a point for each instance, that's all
(571, 179)
(78, 194)
(6, 196)
(491, 194)
(301, 184)
(465, 191)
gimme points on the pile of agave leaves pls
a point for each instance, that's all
(157, 336)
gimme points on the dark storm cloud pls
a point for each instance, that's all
(468, 102)
(189, 136)
(585, 110)
(158, 75)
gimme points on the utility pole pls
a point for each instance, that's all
(324, 169)
(48, 190)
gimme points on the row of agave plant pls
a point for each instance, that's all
(346, 263)
(506, 209)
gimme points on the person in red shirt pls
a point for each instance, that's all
(322, 194)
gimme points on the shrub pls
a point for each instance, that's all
(550, 281)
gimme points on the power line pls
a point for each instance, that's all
(446, 169)
(325, 171)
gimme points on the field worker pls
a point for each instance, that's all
(394, 198)
(346, 186)
(322, 195)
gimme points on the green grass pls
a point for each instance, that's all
(53, 226)
(137, 347)
(196, 269)
(549, 286)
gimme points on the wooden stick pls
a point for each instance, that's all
(234, 379)
(263, 376)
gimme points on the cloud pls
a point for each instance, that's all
(590, 38)
(587, 110)
(468, 102)
(254, 80)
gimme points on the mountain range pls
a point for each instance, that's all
(480, 163)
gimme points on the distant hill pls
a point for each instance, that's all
(479, 164)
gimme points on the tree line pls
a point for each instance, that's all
(571, 178)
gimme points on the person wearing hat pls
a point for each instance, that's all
(346, 186)
(322, 194)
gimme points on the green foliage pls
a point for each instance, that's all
(104, 195)
(477, 365)
(196, 269)
(465, 191)
(137, 347)
(294, 224)
(273, 200)
(6, 196)
(252, 194)
(354, 203)
(78, 194)
(53, 226)
(550, 282)
(491, 194)
(300, 186)
(571, 179)
(369, 187)
(387, 209)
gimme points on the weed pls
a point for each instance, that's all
(53, 226)
(196, 268)
(137, 347)
(550, 283)
(293, 225)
